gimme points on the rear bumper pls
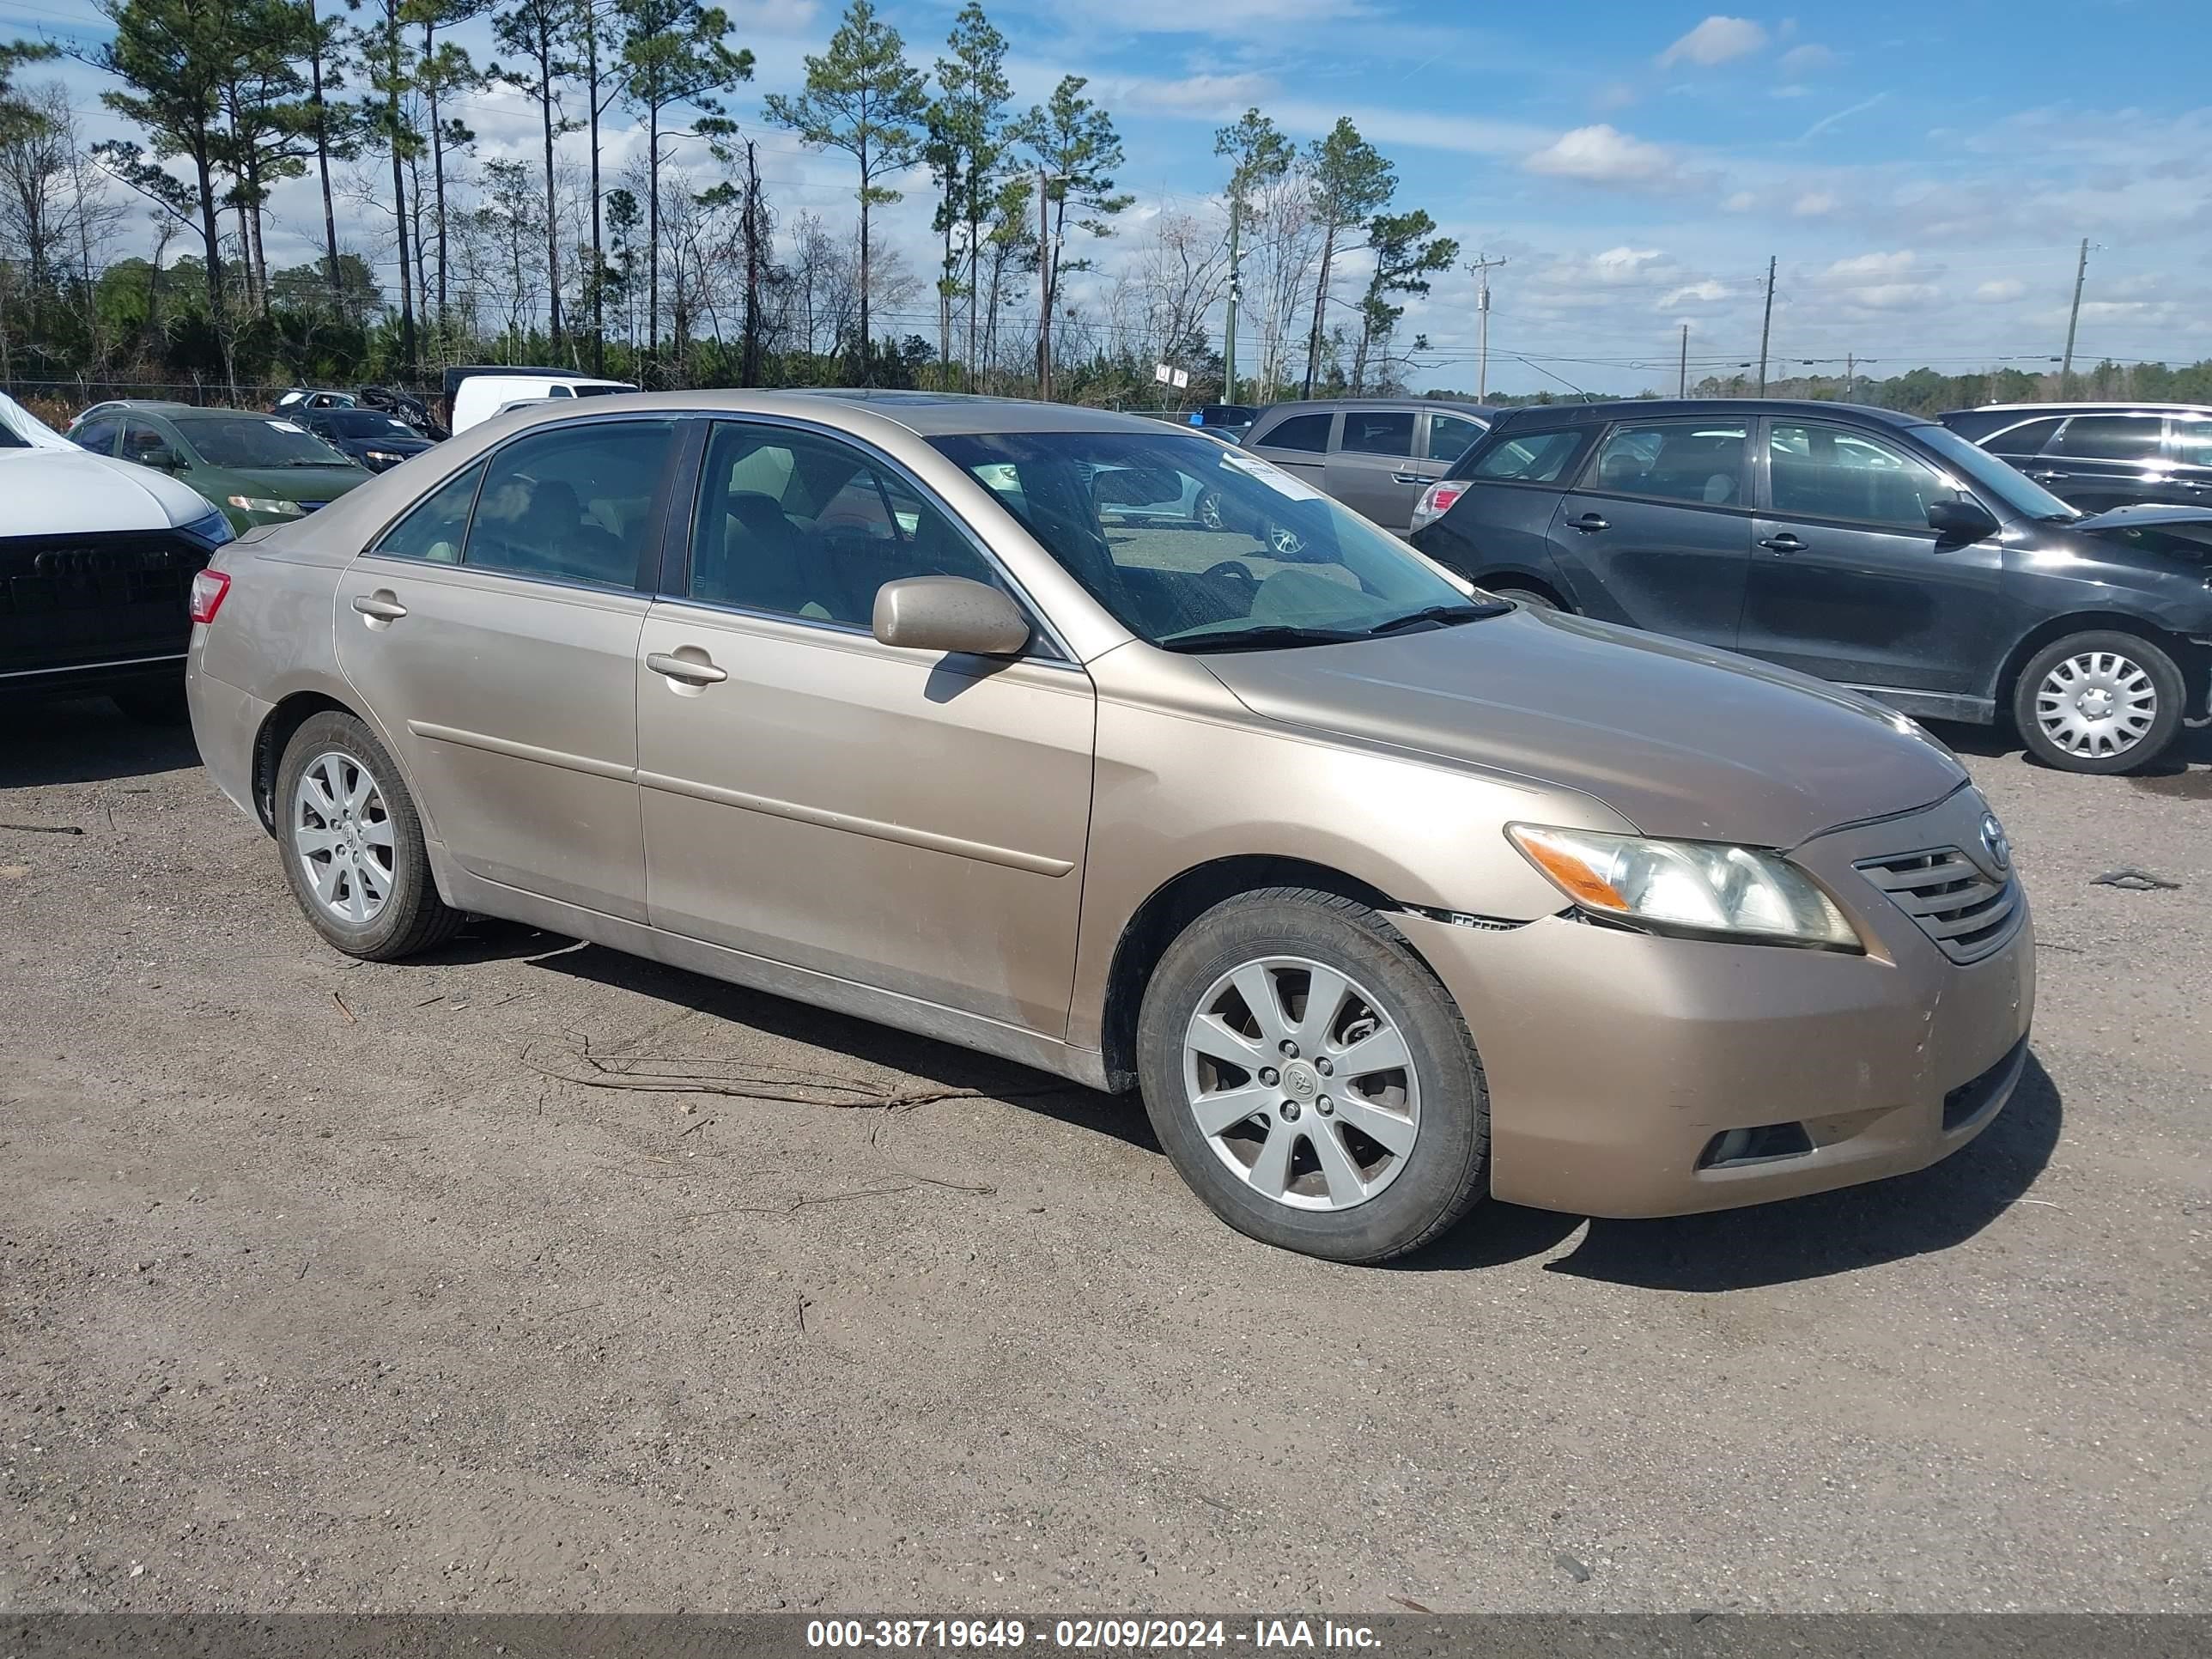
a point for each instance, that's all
(1615, 1060)
(227, 726)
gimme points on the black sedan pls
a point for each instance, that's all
(1864, 546)
(378, 441)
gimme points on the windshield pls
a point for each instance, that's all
(249, 441)
(1198, 547)
(2007, 483)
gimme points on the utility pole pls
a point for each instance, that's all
(751, 375)
(2073, 318)
(1044, 289)
(1682, 378)
(1480, 270)
(1850, 374)
(1229, 333)
(1766, 325)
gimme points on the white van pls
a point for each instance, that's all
(474, 395)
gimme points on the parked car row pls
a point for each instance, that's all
(904, 705)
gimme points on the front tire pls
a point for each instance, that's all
(1311, 1078)
(352, 846)
(2100, 703)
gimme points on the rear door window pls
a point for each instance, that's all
(573, 504)
(2112, 438)
(1303, 432)
(435, 530)
(2193, 442)
(1376, 432)
(1698, 462)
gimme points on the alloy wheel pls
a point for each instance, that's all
(2097, 704)
(343, 836)
(1302, 1082)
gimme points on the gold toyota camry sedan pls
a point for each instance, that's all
(1102, 746)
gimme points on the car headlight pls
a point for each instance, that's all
(1696, 887)
(389, 457)
(214, 530)
(270, 504)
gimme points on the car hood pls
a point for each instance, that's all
(2190, 523)
(1681, 740)
(64, 492)
(297, 483)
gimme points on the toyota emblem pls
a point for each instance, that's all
(1996, 844)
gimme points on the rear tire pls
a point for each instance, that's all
(2100, 703)
(1368, 1129)
(351, 844)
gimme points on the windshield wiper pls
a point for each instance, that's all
(1444, 616)
(1259, 639)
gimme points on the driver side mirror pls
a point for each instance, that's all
(160, 457)
(1960, 522)
(949, 614)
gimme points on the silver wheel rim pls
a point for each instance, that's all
(343, 836)
(1284, 540)
(2096, 705)
(1209, 511)
(1302, 1083)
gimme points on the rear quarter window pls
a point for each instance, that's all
(1522, 458)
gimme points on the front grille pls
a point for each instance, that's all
(1967, 912)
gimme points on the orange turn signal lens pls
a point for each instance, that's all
(1570, 870)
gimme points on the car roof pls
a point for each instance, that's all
(2137, 406)
(925, 414)
(1597, 413)
(1319, 405)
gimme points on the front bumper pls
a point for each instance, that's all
(1614, 1059)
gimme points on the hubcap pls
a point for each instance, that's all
(1302, 1083)
(341, 834)
(2097, 704)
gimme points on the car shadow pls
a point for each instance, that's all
(89, 741)
(1802, 1238)
(938, 1065)
(2191, 750)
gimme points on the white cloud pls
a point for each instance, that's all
(1799, 60)
(1813, 203)
(1716, 40)
(1845, 114)
(1208, 95)
(1742, 202)
(1873, 265)
(1617, 264)
(1603, 155)
(1614, 95)
(1702, 293)
(2006, 288)
(1893, 296)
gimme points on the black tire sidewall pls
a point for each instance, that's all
(2165, 675)
(1446, 1172)
(413, 909)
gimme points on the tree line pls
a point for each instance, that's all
(674, 268)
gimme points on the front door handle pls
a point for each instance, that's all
(1590, 523)
(380, 607)
(1784, 542)
(2046, 477)
(692, 671)
(1408, 477)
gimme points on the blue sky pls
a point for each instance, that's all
(1924, 173)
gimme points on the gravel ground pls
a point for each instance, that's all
(325, 1286)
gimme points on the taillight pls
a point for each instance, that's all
(1437, 500)
(209, 587)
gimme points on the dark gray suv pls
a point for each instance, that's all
(1878, 550)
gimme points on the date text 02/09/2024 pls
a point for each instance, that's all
(1088, 1634)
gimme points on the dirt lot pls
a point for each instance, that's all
(327, 1286)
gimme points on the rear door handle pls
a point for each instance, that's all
(2046, 477)
(380, 605)
(1408, 477)
(1784, 542)
(691, 671)
(1590, 522)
